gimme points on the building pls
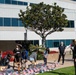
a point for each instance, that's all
(11, 28)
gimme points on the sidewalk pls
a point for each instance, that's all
(54, 57)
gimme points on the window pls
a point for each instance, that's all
(20, 23)
(14, 22)
(36, 42)
(1, 21)
(25, 3)
(7, 1)
(14, 2)
(7, 22)
(1, 1)
(49, 43)
(68, 42)
(20, 3)
(70, 24)
(56, 44)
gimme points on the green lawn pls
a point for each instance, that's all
(62, 71)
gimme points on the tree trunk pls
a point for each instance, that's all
(43, 41)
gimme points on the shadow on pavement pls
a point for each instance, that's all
(68, 59)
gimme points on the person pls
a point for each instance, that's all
(24, 57)
(74, 55)
(17, 53)
(33, 57)
(72, 47)
(45, 55)
(61, 52)
(1, 58)
(25, 54)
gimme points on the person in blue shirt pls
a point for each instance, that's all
(25, 54)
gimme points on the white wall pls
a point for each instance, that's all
(11, 35)
(19, 35)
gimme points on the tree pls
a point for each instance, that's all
(43, 19)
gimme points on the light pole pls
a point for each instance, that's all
(25, 34)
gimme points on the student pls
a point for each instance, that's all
(61, 52)
(17, 53)
(33, 57)
(25, 55)
(45, 55)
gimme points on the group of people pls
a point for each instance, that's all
(21, 55)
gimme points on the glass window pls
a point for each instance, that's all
(20, 23)
(1, 21)
(25, 3)
(6, 21)
(14, 22)
(72, 24)
(20, 3)
(7, 1)
(14, 2)
(2, 1)
(36, 42)
(56, 44)
(68, 42)
(49, 43)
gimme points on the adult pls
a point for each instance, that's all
(1, 58)
(24, 57)
(72, 47)
(74, 55)
(25, 54)
(45, 55)
(17, 53)
(61, 52)
(33, 57)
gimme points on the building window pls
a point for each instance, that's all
(2, 1)
(14, 22)
(8, 2)
(20, 3)
(14, 2)
(25, 3)
(7, 22)
(20, 23)
(49, 43)
(36, 42)
(56, 44)
(67, 42)
(70, 24)
(1, 21)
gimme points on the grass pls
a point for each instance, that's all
(62, 71)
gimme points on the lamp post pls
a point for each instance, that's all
(25, 34)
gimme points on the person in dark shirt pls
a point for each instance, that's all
(74, 55)
(61, 52)
(17, 53)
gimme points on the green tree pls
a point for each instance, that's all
(43, 19)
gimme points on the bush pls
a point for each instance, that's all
(40, 50)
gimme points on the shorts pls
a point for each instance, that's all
(31, 59)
